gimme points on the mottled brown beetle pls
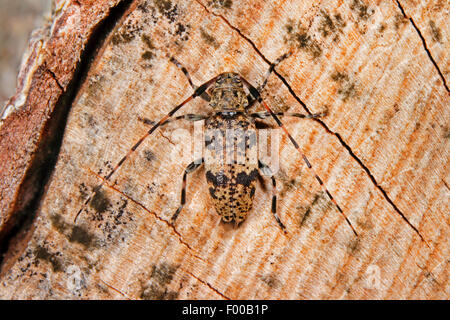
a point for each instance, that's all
(231, 185)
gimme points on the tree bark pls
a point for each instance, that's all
(379, 69)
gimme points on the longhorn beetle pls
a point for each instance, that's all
(231, 185)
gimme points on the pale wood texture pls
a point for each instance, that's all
(382, 151)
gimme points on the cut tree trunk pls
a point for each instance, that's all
(96, 77)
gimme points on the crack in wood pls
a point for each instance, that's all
(323, 124)
(53, 75)
(116, 290)
(424, 43)
(207, 284)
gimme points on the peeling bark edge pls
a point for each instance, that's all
(15, 231)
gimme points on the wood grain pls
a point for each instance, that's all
(382, 151)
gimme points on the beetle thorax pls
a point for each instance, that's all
(228, 93)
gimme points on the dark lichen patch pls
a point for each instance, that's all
(81, 236)
(361, 9)
(347, 91)
(435, 32)
(73, 233)
(95, 85)
(220, 4)
(297, 35)
(143, 7)
(365, 223)
(399, 20)
(154, 292)
(119, 213)
(126, 33)
(271, 280)
(147, 55)
(209, 39)
(83, 191)
(354, 246)
(156, 288)
(182, 31)
(100, 202)
(147, 41)
(289, 183)
(339, 76)
(167, 9)
(446, 132)
(331, 25)
(59, 224)
(382, 27)
(112, 225)
(119, 38)
(163, 273)
(149, 155)
(347, 87)
(153, 187)
(42, 253)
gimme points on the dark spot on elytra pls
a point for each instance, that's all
(246, 179)
(217, 180)
(100, 202)
(212, 192)
(43, 253)
(252, 192)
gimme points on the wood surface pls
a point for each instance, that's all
(379, 69)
